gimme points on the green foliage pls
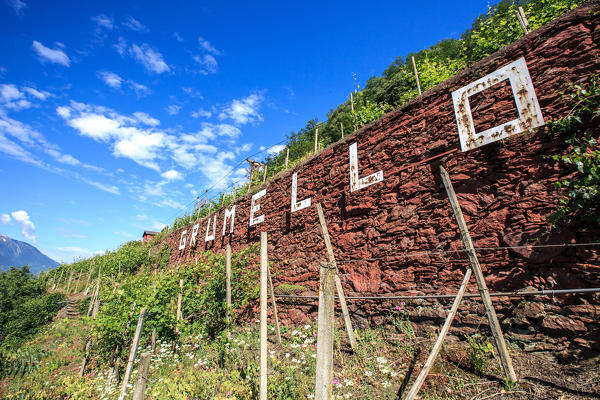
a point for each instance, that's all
(580, 132)
(481, 353)
(24, 305)
(286, 288)
(19, 362)
(203, 301)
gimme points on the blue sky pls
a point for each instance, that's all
(115, 115)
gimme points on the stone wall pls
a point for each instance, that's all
(399, 236)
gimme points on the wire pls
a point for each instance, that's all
(517, 293)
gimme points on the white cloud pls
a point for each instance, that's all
(244, 110)
(64, 112)
(17, 6)
(207, 46)
(104, 22)
(151, 59)
(10, 92)
(110, 189)
(142, 147)
(173, 109)
(188, 186)
(24, 222)
(121, 45)
(146, 119)
(177, 36)
(141, 217)
(95, 126)
(275, 149)
(52, 55)
(43, 95)
(111, 79)
(140, 90)
(135, 25)
(207, 63)
(5, 218)
(171, 175)
(201, 113)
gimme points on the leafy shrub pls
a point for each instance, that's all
(580, 132)
(24, 305)
(481, 353)
(203, 301)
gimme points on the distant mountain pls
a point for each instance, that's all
(14, 253)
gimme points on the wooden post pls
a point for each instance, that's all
(264, 262)
(153, 340)
(142, 378)
(228, 281)
(416, 74)
(179, 298)
(338, 282)
(325, 328)
(287, 157)
(483, 290)
(60, 278)
(79, 280)
(120, 265)
(85, 357)
(70, 279)
(352, 108)
(89, 276)
(93, 300)
(440, 340)
(523, 20)
(265, 174)
(316, 140)
(342, 129)
(274, 305)
(134, 346)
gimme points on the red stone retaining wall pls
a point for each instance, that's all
(393, 237)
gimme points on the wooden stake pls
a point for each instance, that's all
(440, 340)
(338, 282)
(325, 323)
(523, 20)
(60, 277)
(352, 108)
(316, 140)
(79, 280)
(153, 340)
(228, 281)
(85, 357)
(142, 378)
(483, 290)
(274, 305)
(89, 276)
(134, 346)
(70, 279)
(342, 129)
(120, 265)
(287, 157)
(265, 174)
(179, 298)
(264, 262)
(416, 74)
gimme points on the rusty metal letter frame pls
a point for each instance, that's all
(530, 114)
